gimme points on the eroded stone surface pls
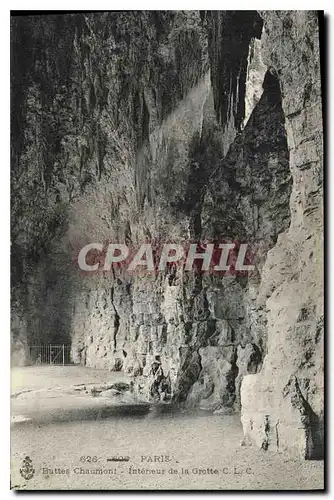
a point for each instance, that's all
(136, 127)
(287, 394)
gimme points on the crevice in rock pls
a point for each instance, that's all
(277, 435)
(116, 319)
(307, 420)
(266, 439)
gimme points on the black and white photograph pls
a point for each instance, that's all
(167, 250)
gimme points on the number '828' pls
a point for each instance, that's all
(88, 459)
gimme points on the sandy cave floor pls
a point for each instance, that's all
(59, 429)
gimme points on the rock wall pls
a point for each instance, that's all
(282, 405)
(182, 126)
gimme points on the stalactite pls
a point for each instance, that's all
(230, 34)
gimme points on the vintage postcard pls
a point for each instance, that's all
(167, 250)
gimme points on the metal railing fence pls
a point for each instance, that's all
(50, 354)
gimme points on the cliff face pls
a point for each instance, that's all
(182, 126)
(283, 404)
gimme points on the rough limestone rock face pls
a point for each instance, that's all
(135, 127)
(282, 405)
